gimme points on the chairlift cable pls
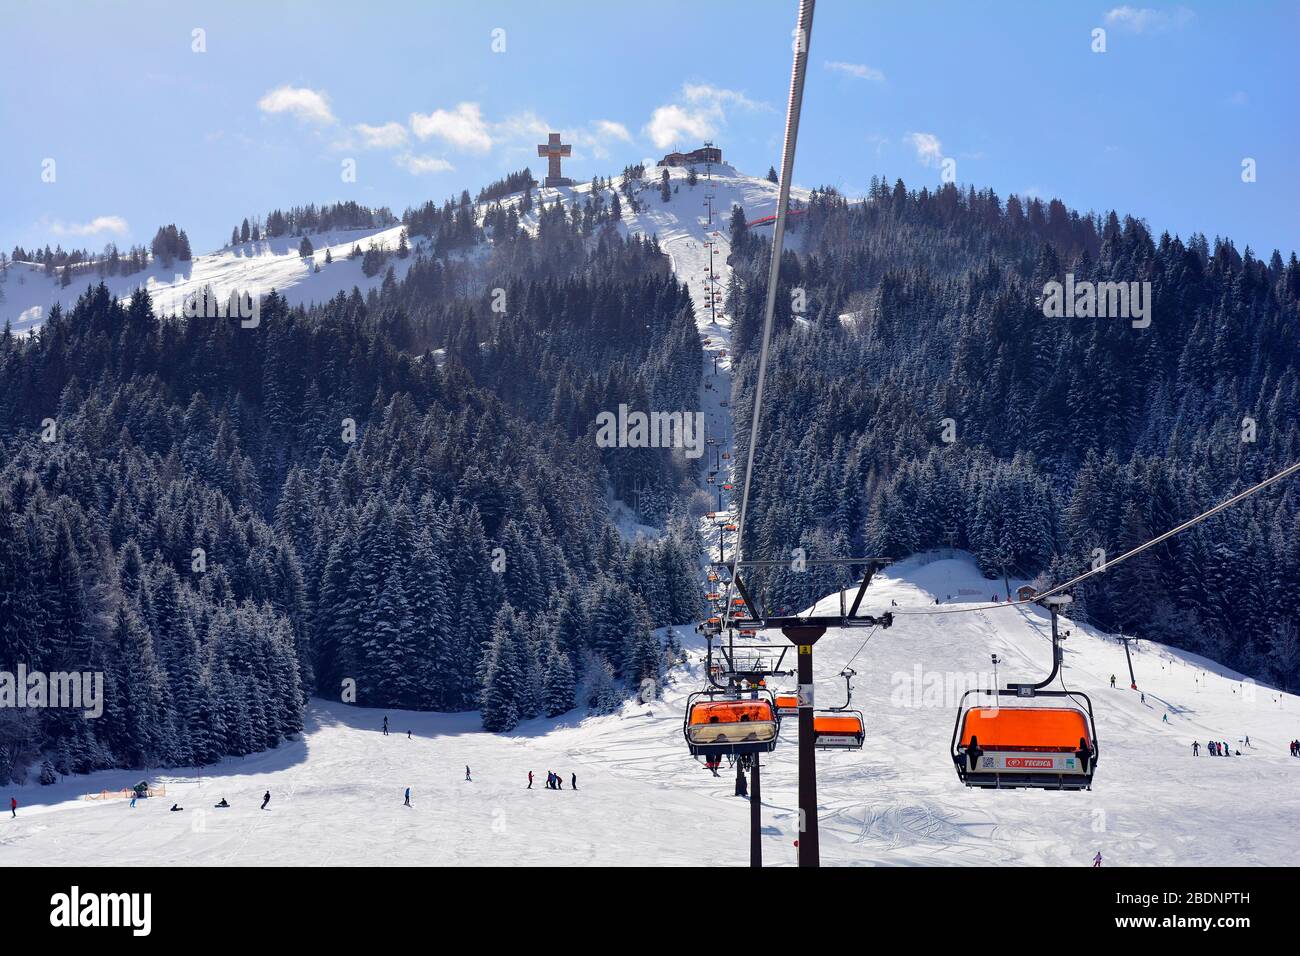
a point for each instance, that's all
(1075, 581)
(859, 650)
(793, 110)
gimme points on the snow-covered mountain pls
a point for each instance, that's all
(255, 268)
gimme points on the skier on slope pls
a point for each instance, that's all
(13, 806)
(467, 776)
(1096, 860)
(574, 781)
(221, 805)
(530, 780)
(1196, 748)
(385, 725)
(407, 801)
(266, 798)
(1112, 681)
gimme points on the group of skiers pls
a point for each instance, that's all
(1216, 748)
(266, 798)
(386, 727)
(1295, 748)
(554, 781)
(174, 808)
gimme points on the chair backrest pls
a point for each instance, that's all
(1026, 728)
(731, 711)
(836, 724)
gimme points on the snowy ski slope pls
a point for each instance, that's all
(337, 793)
(252, 267)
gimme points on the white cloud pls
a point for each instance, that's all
(96, 226)
(716, 96)
(387, 136)
(307, 105)
(929, 151)
(527, 125)
(422, 165)
(612, 130)
(1147, 20)
(860, 70)
(525, 130)
(668, 124)
(699, 117)
(462, 127)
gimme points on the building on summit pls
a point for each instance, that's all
(708, 153)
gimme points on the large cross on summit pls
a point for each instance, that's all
(553, 149)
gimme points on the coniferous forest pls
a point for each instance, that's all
(391, 499)
(922, 400)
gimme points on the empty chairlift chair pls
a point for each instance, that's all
(840, 728)
(838, 731)
(1026, 745)
(1051, 748)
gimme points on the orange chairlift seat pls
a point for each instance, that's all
(787, 705)
(840, 728)
(1027, 746)
(730, 726)
(1053, 748)
(838, 731)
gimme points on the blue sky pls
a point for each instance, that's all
(144, 131)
